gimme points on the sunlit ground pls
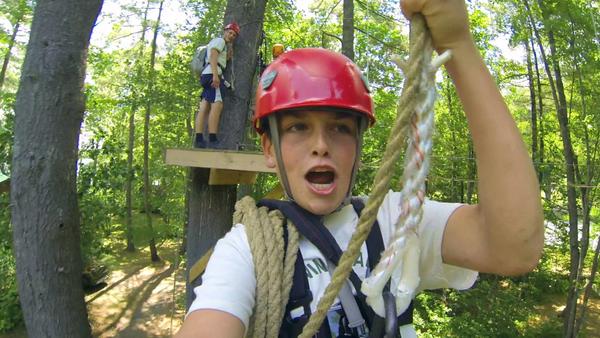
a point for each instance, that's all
(551, 311)
(141, 299)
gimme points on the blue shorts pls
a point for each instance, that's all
(209, 93)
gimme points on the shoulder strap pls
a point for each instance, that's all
(374, 240)
(306, 223)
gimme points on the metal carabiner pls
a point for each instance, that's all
(391, 317)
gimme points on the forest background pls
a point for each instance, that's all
(141, 98)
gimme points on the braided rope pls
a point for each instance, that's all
(273, 274)
(412, 106)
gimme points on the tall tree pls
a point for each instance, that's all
(149, 96)
(138, 70)
(211, 206)
(17, 13)
(348, 29)
(49, 110)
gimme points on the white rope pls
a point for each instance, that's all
(400, 261)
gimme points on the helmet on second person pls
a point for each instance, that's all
(233, 26)
(277, 50)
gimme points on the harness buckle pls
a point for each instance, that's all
(362, 331)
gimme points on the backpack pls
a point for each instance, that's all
(199, 60)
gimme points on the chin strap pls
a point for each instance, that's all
(276, 140)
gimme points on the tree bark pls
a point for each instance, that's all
(45, 216)
(533, 110)
(540, 110)
(211, 207)
(348, 29)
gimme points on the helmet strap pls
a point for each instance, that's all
(363, 124)
(275, 139)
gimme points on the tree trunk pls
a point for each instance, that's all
(587, 201)
(11, 44)
(211, 207)
(45, 216)
(588, 288)
(560, 102)
(129, 181)
(131, 138)
(540, 110)
(588, 179)
(348, 29)
(211, 210)
(570, 163)
(147, 188)
(533, 110)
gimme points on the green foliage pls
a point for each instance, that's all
(10, 309)
(6, 141)
(494, 307)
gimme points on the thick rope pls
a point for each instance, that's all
(273, 264)
(410, 102)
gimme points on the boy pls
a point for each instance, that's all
(312, 107)
(219, 51)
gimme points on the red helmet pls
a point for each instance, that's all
(312, 77)
(234, 27)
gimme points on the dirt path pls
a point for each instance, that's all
(139, 300)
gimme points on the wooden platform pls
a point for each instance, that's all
(226, 166)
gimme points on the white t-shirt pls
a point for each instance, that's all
(229, 282)
(221, 47)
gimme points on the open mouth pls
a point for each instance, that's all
(321, 180)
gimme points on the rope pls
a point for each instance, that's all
(273, 274)
(416, 101)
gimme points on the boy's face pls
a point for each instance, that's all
(229, 35)
(318, 150)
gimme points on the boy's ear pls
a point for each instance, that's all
(268, 151)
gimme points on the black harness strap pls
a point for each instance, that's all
(311, 227)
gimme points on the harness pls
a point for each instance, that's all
(311, 227)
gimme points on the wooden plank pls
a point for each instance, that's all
(219, 159)
(231, 177)
(276, 193)
(5, 186)
(198, 268)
